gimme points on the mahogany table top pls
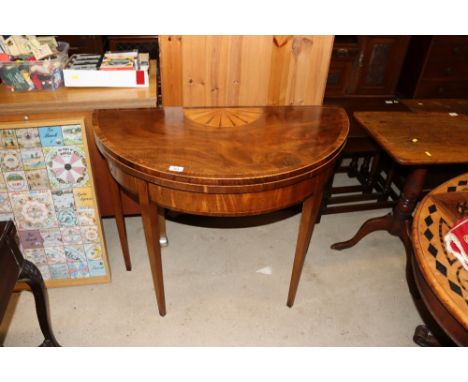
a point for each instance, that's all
(223, 146)
(435, 215)
(421, 138)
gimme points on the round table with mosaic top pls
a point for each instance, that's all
(440, 277)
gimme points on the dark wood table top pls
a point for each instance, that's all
(434, 217)
(352, 105)
(448, 105)
(222, 146)
(419, 138)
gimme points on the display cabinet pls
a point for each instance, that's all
(435, 67)
(365, 65)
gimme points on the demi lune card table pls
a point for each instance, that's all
(221, 162)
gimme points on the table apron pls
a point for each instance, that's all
(227, 203)
(252, 203)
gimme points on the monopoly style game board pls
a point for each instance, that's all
(46, 187)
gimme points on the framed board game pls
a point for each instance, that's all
(47, 189)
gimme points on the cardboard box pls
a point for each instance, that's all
(106, 78)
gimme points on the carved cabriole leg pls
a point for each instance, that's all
(163, 241)
(371, 225)
(32, 277)
(398, 223)
(310, 209)
(120, 220)
(152, 233)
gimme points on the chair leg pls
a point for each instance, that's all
(388, 183)
(32, 277)
(371, 179)
(364, 173)
(353, 167)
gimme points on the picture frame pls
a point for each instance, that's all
(47, 189)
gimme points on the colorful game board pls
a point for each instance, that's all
(46, 188)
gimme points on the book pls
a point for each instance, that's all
(12, 47)
(143, 59)
(84, 62)
(3, 46)
(49, 40)
(120, 61)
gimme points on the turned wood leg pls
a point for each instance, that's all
(403, 210)
(363, 173)
(353, 167)
(310, 209)
(152, 233)
(32, 277)
(120, 220)
(371, 180)
(388, 183)
(163, 241)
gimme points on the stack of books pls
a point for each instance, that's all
(112, 69)
(120, 61)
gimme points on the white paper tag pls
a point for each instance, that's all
(268, 270)
(453, 114)
(176, 168)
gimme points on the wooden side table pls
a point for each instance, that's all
(13, 269)
(418, 140)
(440, 278)
(222, 162)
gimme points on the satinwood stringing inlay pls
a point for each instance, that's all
(223, 117)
